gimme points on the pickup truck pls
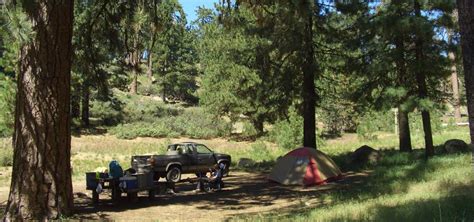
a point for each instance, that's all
(187, 157)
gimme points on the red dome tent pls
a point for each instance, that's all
(305, 166)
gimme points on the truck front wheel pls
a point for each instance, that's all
(173, 174)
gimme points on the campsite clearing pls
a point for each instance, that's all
(245, 194)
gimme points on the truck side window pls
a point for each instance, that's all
(201, 149)
(189, 149)
(180, 149)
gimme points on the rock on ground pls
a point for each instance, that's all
(455, 146)
(365, 155)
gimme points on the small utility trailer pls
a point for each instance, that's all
(117, 187)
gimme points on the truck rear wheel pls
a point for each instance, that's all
(173, 174)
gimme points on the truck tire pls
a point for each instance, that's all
(173, 174)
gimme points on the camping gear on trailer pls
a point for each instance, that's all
(128, 182)
(305, 166)
(92, 179)
(115, 170)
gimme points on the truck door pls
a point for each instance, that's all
(185, 158)
(205, 158)
(191, 160)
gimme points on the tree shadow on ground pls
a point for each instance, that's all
(242, 192)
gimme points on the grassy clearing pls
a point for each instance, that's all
(402, 187)
(90, 152)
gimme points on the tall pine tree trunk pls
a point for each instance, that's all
(404, 131)
(422, 88)
(134, 62)
(134, 84)
(149, 71)
(466, 25)
(454, 74)
(41, 185)
(403, 123)
(455, 88)
(309, 93)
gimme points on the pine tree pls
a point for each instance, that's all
(466, 16)
(41, 186)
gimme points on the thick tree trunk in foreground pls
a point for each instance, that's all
(41, 181)
(466, 25)
(404, 131)
(309, 93)
(422, 89)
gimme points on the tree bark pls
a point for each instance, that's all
(85, 114)
(308, 67)
(422, 88)
(455, 88)
(149, 71)
(454, 74)
(403, 123)
(41, 187)
(134, 62)
(134, 84)
(466, 25)
(258, 125)
(404, 131)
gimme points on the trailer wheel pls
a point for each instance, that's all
(173, 174)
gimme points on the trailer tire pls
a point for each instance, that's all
(173, 174)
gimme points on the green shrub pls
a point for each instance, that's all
(416, 123)
(288, 134)
(7, 103)
(108, 111)
(145, 109)
(338, 118)
(196, 123)
(145, 129)
(148, 87)
(193, 123)
(373, 121)
(249, 131)
(259, 151)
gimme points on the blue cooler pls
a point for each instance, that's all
(128, 183)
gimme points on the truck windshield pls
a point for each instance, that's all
(202, 149)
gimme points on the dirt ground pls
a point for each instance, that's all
(244, 194)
